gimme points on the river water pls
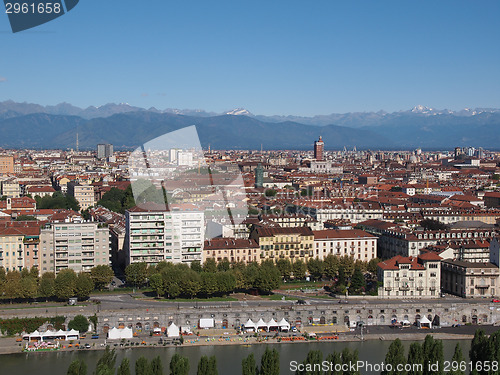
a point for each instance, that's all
(228, 357)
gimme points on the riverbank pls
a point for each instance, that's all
(8, 345)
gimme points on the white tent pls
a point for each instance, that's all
(250, 325)
(173, 330)
(73, 335)
(206, 323)
(272, 324)
(127, 333)
(114, 334)
(61, 333)
(261, 324)
(424, 322)
(120, 333)
(284, 325)
(406, 323)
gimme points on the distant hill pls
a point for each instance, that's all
(25, 125)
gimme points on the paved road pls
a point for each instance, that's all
(126, 301)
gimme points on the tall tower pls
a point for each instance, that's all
(318, 149)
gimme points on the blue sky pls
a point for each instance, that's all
(270, 57)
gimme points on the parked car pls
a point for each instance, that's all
(95, 336)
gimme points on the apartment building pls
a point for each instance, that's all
(70, 242)
(6, 164)
(84, 194)
(10, 188)
(416, 277)
(232, 249)
(19, 245)
(469, 279)
(405, 242)
(154, 234)
(355, 243)
(289, 243)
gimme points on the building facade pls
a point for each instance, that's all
(288, 243)
(469, 279)
(154, 234)
(416, 277)
(75, 244)
(232, 249)
(84, 194)
(355, 243)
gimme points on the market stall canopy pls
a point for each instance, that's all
(284, 324)
(173, 330)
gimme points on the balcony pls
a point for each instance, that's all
(404, 287)
(388, 288)
(432, 288)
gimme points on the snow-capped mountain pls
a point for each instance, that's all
(239, 112)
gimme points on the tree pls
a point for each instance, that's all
(349, 357)
(135, 274)
(415, 356)
(457, 358)
(190, 283)
(77, 367)
(101, 275)
(179, 365)
(270, 193)
(26, 218)
(315, 268)
(210, 265)
(196, 266)
(431, 224)
(312, 361)
(28, 288)
(270, 362)
(79, 323)
(157, 283)
(330, 266)
(12, 287)
(284, 267)
(299, 269)
(223, 265)
(156, 366)
(207, 366)
(47, 285)
(65, 284)
(124, 368)
(142, 366)
(84, 286)
(373, 266)
(268, 277)
(357, 280)
(395, 356)
(335, 360)
(106, 364)
(248, 366)
(347, 264)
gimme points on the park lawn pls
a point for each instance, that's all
(211, 299)
(277, 297)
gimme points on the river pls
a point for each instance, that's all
(228, 357)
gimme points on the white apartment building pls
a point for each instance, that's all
(154, 234)
(354, 242)
(76, 244)
(416, 277)
(355, 212)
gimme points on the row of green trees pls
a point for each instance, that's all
(179, 365)
(27, 284)
(425, 358)
(212, 279)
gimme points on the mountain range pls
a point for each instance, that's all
(26, 125)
